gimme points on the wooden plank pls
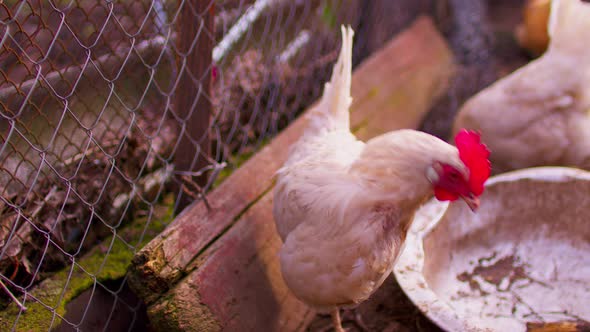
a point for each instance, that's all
(238, 233)
(397, 86)
(238, 287)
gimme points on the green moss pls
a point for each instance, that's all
(328, 15)
(181, 310)
(56, 291)
(164, 314)
(235, 162)
(238, 160)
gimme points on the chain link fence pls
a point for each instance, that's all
(116, 114)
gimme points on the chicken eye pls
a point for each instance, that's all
(454, 177)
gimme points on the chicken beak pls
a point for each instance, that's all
(472, 201)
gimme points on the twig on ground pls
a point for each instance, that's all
(18, 303)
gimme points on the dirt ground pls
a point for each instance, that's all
(128, 314)
(388, 310)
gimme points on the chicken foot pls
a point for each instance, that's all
(348, 315)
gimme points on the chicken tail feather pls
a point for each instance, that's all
(332, 111)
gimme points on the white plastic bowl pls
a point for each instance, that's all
(523, 257)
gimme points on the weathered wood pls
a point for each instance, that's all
(395, 87)
(193, 105)
(229, 253)
(238, 284)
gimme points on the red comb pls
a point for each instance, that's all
(474, 155)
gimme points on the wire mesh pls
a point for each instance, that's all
(92, 129)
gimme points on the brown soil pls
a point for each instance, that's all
(388, 310)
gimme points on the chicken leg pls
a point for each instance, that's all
(336, 322)
(348, 315)
(355, 316)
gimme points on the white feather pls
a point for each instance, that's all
(341, 206)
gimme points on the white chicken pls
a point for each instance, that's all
(343, 207)
(540, 114)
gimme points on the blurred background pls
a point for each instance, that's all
(114, 115)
